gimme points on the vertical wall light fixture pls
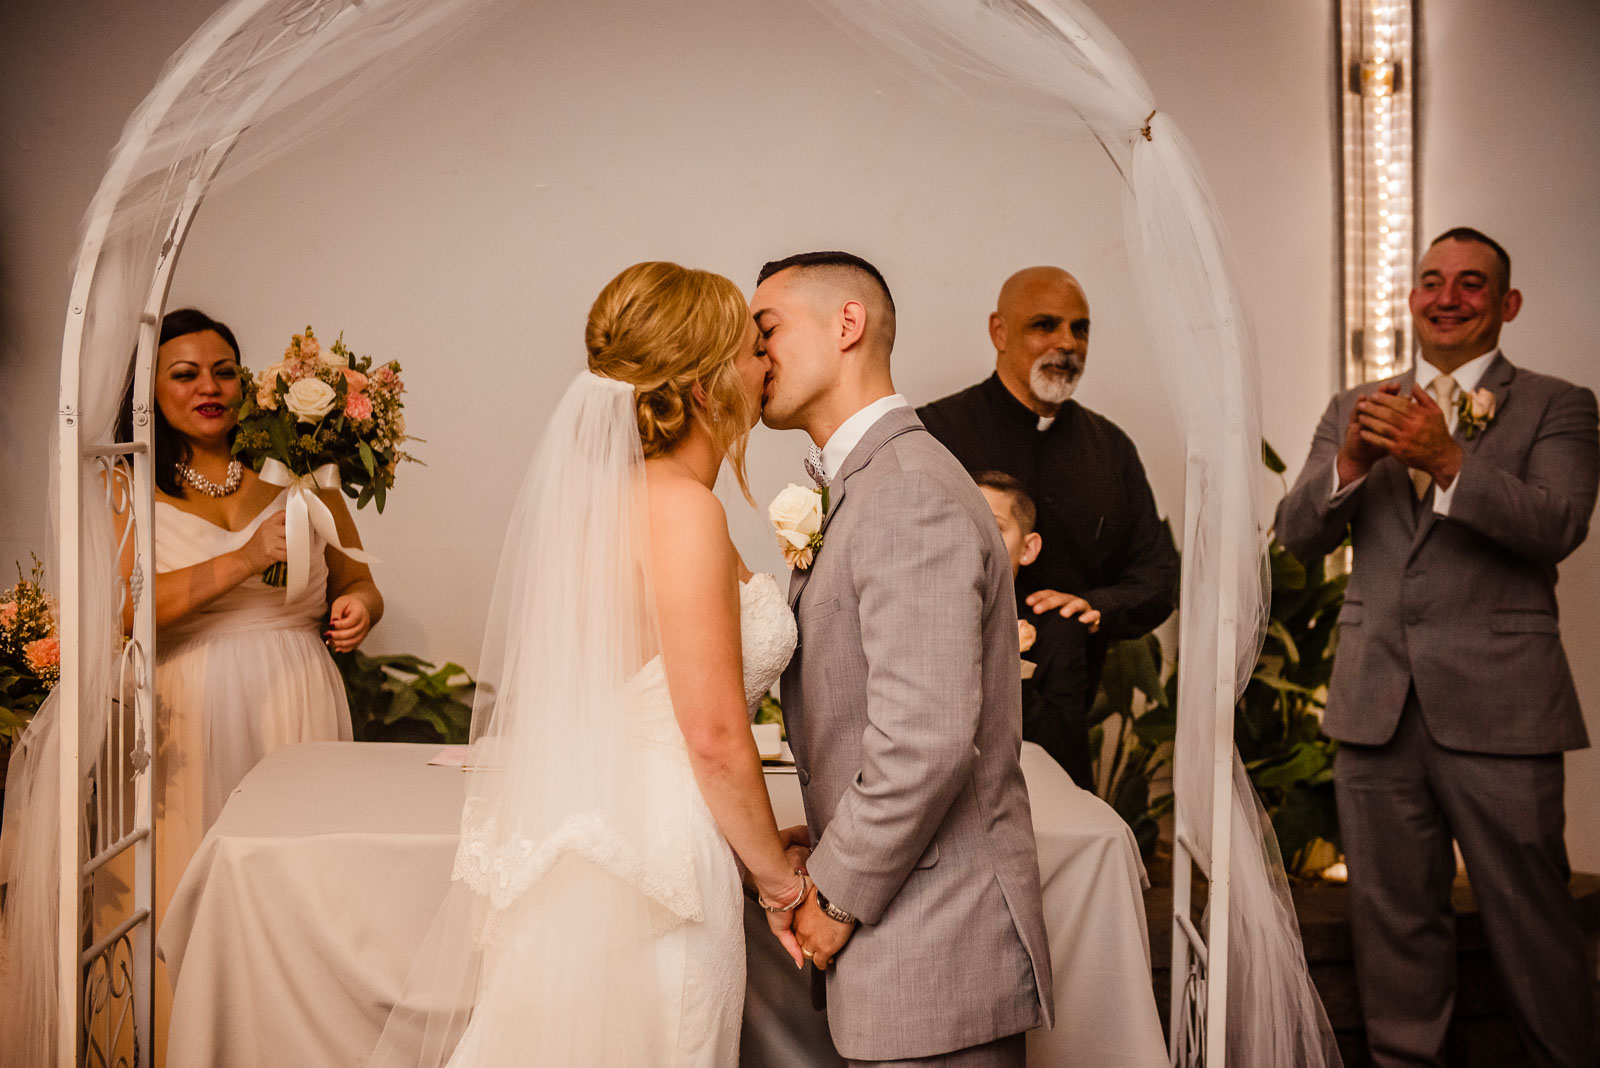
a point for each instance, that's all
(1379, 188)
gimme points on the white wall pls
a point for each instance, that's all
(464, 223)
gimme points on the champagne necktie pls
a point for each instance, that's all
(1443, 389)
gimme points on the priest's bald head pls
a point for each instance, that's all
(1040, 330)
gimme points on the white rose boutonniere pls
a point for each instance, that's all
(1026, 636)
(310, 399)
(796, 515)
(1475, 411)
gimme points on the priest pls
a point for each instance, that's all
(1108, 558)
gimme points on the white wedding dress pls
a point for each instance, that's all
(690, 877)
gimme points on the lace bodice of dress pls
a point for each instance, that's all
(769, 634)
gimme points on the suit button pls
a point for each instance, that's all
(803, 775)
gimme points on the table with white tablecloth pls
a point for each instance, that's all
(295, 926)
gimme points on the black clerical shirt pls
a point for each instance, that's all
(1103, 540)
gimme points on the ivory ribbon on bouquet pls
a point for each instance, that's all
(304, 511)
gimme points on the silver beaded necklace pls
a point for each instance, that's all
(208, 487)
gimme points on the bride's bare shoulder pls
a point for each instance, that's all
(684, 512)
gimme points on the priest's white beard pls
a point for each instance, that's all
(1055, 375)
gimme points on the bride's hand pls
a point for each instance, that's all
(782, 925)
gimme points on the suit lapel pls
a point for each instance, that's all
(890, 426)
(1497, 380)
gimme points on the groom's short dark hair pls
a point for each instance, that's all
(837, 267)
(828, 259)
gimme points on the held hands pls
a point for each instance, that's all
(267, 546)
(1411, 428)
(796, 843)
(348, 622)
(1042, 601)
(806, 932)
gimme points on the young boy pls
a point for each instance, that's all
(1056, 699)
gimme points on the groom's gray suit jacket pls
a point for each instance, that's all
(903, 706)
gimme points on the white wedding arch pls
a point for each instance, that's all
(243, 89)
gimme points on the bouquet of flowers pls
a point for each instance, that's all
(322, 419)
(30, 651)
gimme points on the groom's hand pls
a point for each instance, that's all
(1069, 605)
(821, 936)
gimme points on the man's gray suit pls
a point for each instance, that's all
(1453, 700)
(903, 705)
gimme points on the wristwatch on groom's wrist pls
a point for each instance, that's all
(832, 911)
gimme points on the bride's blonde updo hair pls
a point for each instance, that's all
(664, 329)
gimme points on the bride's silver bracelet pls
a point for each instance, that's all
(805, 887)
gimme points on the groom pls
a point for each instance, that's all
(903, 702)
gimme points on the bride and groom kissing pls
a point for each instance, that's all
(596, 916)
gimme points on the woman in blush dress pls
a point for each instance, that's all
(241, 669)
(595, 915)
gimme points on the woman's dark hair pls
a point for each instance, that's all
(170, 449)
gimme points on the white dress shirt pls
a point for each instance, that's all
(1467, 377)
(853, 429)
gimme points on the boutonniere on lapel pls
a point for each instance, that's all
(1026, 636)
(1475, 411)
(796, 515)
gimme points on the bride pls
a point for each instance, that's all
(595, 915)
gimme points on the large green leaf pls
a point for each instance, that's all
(1159, 724)
(1301, 762)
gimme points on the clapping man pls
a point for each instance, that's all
(1462, 485)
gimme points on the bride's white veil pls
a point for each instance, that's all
(562, 878)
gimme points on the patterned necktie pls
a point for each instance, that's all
(1443, 389)
(814, 467)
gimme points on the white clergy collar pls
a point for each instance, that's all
(853, 429)
(1467, 376)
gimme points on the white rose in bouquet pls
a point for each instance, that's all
(310, 399)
